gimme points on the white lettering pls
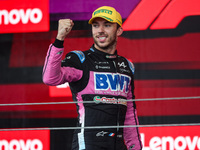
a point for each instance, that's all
(177, 142)
(14, 144)
(143, 142)
(4, 16)
(191, 144)
(36, 15)
(170, 143)
(4, 145)
(198, 144)
(166, 140)
(25, 146)
(15, 16)
(25, 16)
(154, 143)
(36, 145)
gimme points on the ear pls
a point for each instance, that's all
(119, 31)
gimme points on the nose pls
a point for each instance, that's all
(101, 29)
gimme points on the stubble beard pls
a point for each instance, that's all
(110, 45)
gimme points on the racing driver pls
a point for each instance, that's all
(101, 81)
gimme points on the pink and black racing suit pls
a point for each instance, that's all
(106, 82)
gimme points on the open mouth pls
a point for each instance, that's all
(102, 38)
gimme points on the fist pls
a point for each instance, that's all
(64, 27)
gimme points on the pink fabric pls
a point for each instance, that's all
(131, 133)
(130, 136)
(53, 73)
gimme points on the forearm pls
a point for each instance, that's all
(52, 74)
(131, 134)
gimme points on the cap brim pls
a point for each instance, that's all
(92, 19)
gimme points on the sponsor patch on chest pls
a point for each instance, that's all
(111, 82)
(112, 100)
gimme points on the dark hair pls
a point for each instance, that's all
(118, 26)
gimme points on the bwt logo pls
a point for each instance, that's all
(15, 16)
(113, 82)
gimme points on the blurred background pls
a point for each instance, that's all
(161, 38)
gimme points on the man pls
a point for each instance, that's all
(102, 77)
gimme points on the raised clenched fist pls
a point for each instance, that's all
(64, 27)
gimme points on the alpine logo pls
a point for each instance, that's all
(164, 14)
(113, 82)
(122, 64)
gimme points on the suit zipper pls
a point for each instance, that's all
(117, 98)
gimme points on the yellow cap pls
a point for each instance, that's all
(108, 13)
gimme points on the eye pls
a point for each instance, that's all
(95, 25)
(108, 25)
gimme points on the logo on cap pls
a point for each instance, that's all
(108, 13)
(103, 11)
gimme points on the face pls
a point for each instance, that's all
(105, 34)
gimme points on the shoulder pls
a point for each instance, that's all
(130, 64)
(77, 56)
(80, 55)
(74, 59)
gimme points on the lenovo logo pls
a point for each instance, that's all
(170, 143)
(15, 16)
(24, 16)
(25, 140)
(170, 138)
(164, 14)
(14, 144)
